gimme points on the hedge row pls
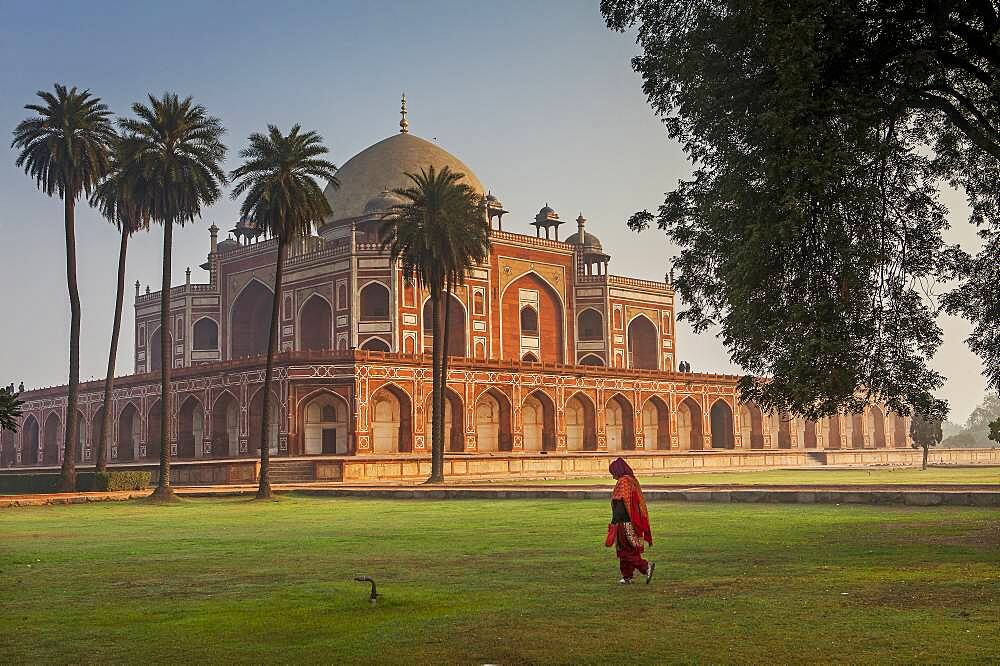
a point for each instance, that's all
(48, 482)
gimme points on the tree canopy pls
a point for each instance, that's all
(10, 410)
(821, 133)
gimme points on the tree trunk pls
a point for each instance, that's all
(926, 451)
(443, 397)
(67, 481)
(264, 482)
(437, 460)
(163, 490)
(101, 451)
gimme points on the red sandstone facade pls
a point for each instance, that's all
(550, 354)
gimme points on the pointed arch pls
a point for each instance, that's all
(493, 431)
(752, 426)
(590, 325)
(619, 423)
(226, 426)
(689, 428)
(250, 320)
(592, 360)
(581, 423)
(190, 428)
(457, 324)
(205, 335)
(857, 431)
(256, 422)
(50, 439)
(81, 436)
(529, 358)
(454, 422)
(538, 422)
(375, 344)
(326, 419)
(643, 343)
(128, 432)
(876, 425)
(315, 324)
(784, 430)
(391, 420)
(721, 418)
(550, 309)
(153, 429)
(656, 424)
(374, 300)
(30, 441)
(154, 352)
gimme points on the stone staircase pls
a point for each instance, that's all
(292, 471)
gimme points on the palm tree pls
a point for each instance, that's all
(179, 152)
(66, 149)
(120, 198)
(436, 235)
(283, 198)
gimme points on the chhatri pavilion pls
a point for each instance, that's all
(556, 363)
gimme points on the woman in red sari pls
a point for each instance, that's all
(629, 523)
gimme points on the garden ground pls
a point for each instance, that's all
(515, 581)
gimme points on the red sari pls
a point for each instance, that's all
(629, 522)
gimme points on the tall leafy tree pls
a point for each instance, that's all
(121, 198)
(435, 235)
(278, 181)
(820, 133)
(65, 147)
(925, 431)
(179, 152)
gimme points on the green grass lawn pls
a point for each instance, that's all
(875, 476)
(229, 580)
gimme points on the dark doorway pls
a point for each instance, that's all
(330, 440)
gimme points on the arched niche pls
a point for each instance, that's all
(581, 424)
(50, 440)
(256, 423)
(689, 428)
(154, 351)
(391, 420)
(456, 325)
(834, 441)
(876, 425)
(315, 324)
(326, 429)
(454, 423)
(590, 325)
(619, 424)
(190, 428)
(81, 436)
(723, 434)
(784, 431)
(154, 427)
(30, 441)
(810, 441)
(857, 431)
(656, 424)
(643, 345)
(128, 433)
(374, 300)
(226, 426)
(493, 430)
(538, 421)
(529, 321)
(250, 323)
(898, 431)
(205, 335)
(375, 344)
(752, 426)
(592, 360)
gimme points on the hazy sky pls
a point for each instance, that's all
(538, 99)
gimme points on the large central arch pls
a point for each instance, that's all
(549, 309)
(250, 323)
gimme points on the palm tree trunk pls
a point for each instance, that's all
(163, 490)
(68, 476)
(437, 460)
(443, 397)
(101, 452)
(264, 482)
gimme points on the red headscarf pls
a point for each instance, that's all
(627, 490)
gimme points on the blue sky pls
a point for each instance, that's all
(538, 99)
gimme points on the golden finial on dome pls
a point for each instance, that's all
(404, 126)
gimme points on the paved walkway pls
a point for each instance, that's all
(931, 495)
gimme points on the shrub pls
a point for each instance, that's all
(114, 481)
(38, 482)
